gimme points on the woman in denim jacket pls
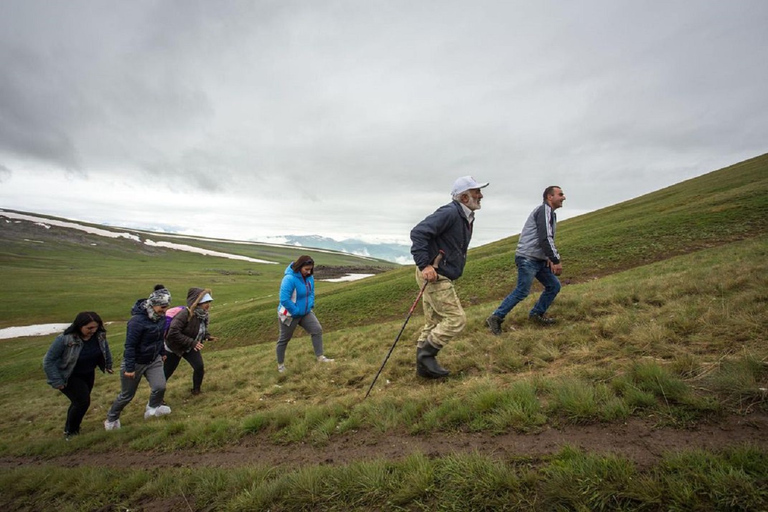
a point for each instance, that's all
(71, 361)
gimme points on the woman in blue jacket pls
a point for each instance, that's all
(71, 361)
(143, 356)
(297, 298)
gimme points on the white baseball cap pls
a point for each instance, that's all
(206, 298)
(466, 183)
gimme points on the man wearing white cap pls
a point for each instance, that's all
(446, 232)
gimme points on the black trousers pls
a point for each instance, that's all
(78, 390)
(195, 360)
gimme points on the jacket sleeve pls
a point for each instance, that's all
(107, 353)
(286, 290)
(545, 235)
(311, 291)
(51, 362)
(176, 337)
(133, 336)
(424, 247)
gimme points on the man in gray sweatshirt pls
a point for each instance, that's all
(536, 256)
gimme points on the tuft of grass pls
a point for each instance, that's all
(578, 481)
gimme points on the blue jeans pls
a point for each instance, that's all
(527, 269)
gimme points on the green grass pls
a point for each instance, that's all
(663, 318)
(570, 480)
(596, 373)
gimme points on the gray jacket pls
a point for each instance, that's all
(61, 357)
(537, 240)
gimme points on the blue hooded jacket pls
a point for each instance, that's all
(143, 339)
(297, 294)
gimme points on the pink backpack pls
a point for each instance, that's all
(169, 316)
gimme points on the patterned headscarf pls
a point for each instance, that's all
(160, 297)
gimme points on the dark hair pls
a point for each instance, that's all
(303, 261)
(159, 287)
(550, 190)
(84, 318)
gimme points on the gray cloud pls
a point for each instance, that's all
(346, 116)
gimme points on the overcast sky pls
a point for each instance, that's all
(248, 119)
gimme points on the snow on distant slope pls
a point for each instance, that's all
(206, 252)
(47, 223)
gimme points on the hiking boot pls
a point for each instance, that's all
(160, 410)
(542, 320)
(112, 425)
(426, 364)
(281, 368)
(494, 324)
(323, 359)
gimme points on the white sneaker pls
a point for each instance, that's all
(323, 359)
(281, 368)
(160, 410)
(112, 425)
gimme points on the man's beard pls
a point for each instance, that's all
(473, 204)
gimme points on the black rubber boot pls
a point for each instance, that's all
(426, 364)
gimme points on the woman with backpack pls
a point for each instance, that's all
(71, 361)
(297, 298)
(143, 356)
(187, 332)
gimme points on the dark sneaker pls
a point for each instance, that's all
(494, 324)
(542, 320)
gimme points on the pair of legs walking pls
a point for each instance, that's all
(444, 319)
(155, 376)
(309, 323)
(78, 390)
(195, 360)
(527, 270)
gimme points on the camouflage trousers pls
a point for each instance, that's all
(444, 318)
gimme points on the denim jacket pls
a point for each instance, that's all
(61, 357)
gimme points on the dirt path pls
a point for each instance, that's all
(636, 439)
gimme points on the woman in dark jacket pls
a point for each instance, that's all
(71, 361)
(144, 355)
(186, 335)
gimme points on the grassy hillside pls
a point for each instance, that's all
(49, 273)
(720, 207)
(724, 206)
(663, 323)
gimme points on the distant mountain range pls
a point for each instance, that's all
(394, 252)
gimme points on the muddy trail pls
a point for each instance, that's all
(639, 440)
